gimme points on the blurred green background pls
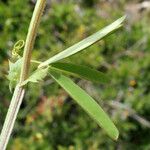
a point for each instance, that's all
(49, 119)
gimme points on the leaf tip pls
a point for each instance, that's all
(120, 21)
(123, 18)
(115, 136)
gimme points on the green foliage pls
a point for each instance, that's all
(81, 71)
(15, 68)
(87, 103)
(85, 43)
(14, 73)
(48, 118)
(82, 98)
(37, 76)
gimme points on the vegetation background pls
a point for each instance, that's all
(49, 119)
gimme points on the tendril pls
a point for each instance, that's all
(17, 47)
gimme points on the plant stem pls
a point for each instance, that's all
(19, 91)
(40, 5)
(11, 116)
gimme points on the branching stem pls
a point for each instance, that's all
(19, 91)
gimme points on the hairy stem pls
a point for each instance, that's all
(19, 91)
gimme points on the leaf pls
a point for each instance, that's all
(87, 103)
(14, 73)
(37, 76)
(81, 71)
(85, 43)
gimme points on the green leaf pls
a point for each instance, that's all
(37, 76)
(14, 73)
(81, 71)
(85, 43)
(87, 103)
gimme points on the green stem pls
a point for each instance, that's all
(19, 90)
(40, 5)
(11, 116)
